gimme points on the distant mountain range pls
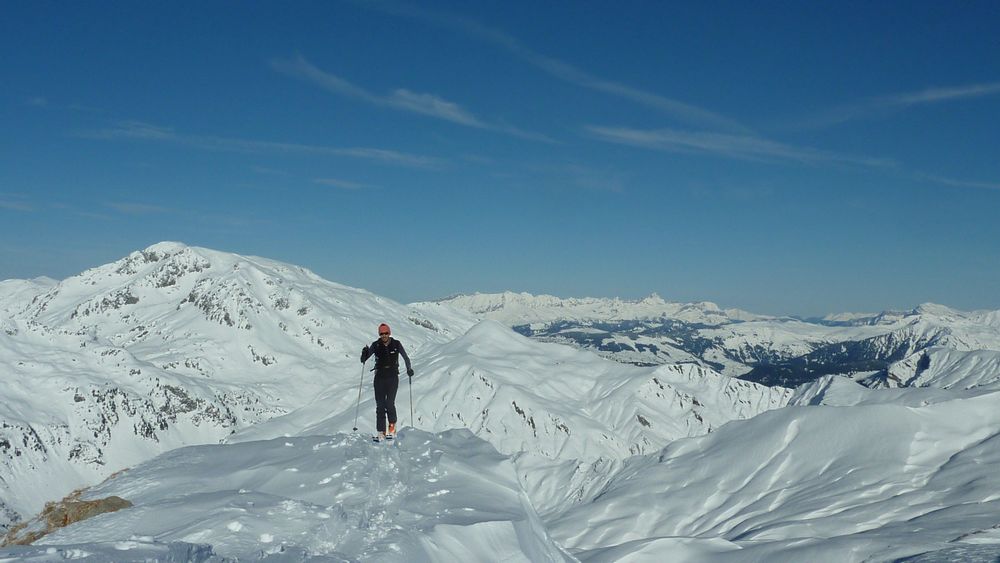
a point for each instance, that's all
(887, 349)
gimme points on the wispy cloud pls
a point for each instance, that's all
(744, 147)
(132, 208)
(43, 102)
(400, 99)
(15, 201)
(138, 130)
(749, 192)
(131, 129)
(758, 149)
(426, 104)
(269, 171)
(686, 113)
(12, 205)
(958, 183)
(336, 183)
(593, 179)
(932, 95)
(897, 102)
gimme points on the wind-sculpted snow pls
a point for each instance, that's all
(880, 480)
(426, 497)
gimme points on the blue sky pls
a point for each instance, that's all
(784, 158)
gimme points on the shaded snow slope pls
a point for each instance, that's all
(427, 497)
(872, 482)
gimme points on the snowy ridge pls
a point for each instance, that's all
(946, 368)
(548, 399)
(809, 483)
(432, 497)
(566, 415)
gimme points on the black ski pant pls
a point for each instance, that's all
(385, 399)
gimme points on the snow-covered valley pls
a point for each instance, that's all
(217, 394)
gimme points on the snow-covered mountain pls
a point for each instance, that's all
(769, 350)
(926, 330)
(170, 346)
(175, 345)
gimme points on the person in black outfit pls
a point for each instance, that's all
(387, 351)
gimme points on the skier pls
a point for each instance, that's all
(386, 351)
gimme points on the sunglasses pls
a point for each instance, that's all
(383, 334)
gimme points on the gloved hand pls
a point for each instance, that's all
(409, 372)
(364, 354)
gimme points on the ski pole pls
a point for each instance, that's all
(413, 421)
(358, 406)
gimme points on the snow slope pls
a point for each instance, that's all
(849, 474)
(883, 475)
(427, 497)
(947, 368)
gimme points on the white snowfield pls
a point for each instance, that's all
(427, 497)
(227, 386)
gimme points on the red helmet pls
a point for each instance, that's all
(383, 328)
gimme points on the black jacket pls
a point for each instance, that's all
(386, 356)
